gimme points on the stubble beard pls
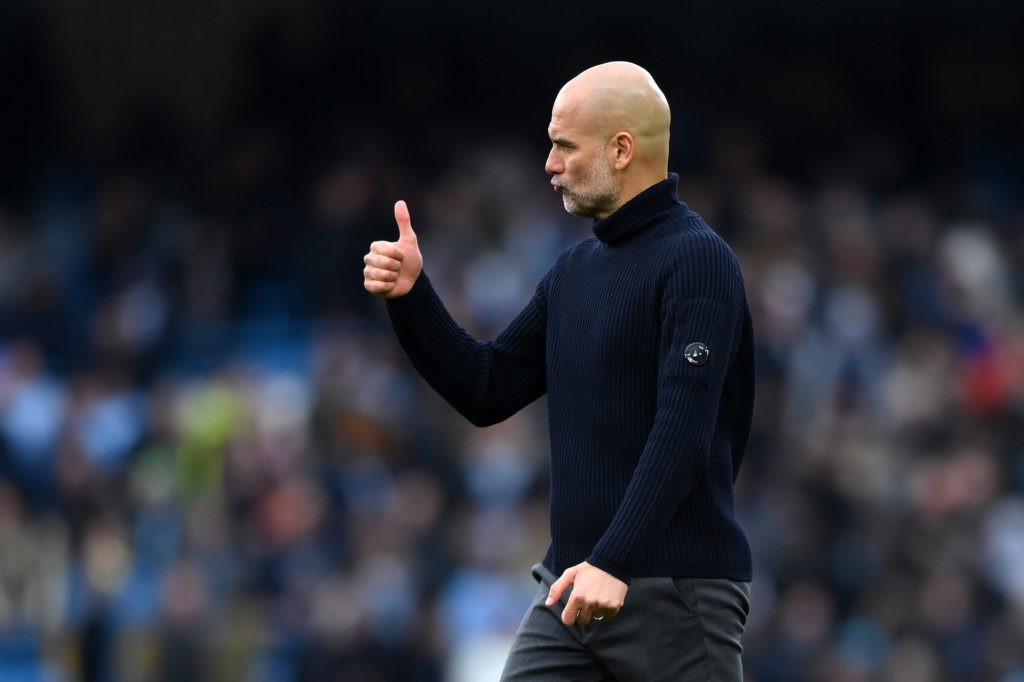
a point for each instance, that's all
(597, 197)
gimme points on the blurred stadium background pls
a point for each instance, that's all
(216, 465)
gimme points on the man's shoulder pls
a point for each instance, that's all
(581, 248)
(691, 235)
(694, 251)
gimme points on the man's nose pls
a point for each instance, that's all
(554, 165)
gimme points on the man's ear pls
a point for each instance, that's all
(623, 147)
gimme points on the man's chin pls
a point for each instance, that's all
(574, 208)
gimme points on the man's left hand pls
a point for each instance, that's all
(596, 594)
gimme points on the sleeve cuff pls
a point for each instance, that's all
(419, 289)
(610, 567)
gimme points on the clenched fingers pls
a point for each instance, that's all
(384, 255)
(380, 274)
(377, 286)
(383, 263)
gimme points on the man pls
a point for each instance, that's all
(641, 337)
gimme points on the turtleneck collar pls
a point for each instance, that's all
(633, 215)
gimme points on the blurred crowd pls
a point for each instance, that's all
(216, 464)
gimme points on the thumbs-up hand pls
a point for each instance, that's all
(392, 267)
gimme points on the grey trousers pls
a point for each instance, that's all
(679, 629)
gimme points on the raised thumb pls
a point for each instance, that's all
(405, 232)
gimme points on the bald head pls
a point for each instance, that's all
(621, 96)
(609, 135)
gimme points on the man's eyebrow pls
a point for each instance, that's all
(562, 142)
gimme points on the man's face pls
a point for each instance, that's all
(579, 166)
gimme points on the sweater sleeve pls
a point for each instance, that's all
(700, 303)
(485, 381)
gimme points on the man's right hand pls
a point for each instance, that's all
(392, 267)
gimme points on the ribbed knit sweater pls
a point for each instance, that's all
(645, 443)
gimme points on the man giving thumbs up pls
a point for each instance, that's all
(641, 337)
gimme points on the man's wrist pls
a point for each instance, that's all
(610, 567)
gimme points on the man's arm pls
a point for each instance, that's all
(699, 306)
(486, 381)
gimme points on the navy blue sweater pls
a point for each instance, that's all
(645, 443)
